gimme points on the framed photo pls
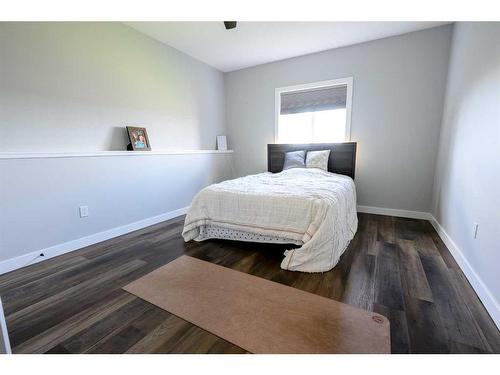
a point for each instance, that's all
(221, 143)
(138, 138)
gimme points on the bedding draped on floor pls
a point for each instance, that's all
(306, 206)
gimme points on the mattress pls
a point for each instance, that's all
(308, 207)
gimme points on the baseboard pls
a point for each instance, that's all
(394, 212)
(482, 291)
(53, 251)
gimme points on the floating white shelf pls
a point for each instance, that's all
(44, 155)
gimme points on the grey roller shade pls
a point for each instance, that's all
(320, 99)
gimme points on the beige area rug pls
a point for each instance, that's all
(258, 315)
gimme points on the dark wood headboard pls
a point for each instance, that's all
(342, 156)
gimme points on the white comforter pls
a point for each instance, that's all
(312, 207)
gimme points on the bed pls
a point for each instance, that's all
(313, 209)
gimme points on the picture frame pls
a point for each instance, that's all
(138, 138)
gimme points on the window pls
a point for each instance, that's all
(314, 113)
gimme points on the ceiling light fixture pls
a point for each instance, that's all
(230, 25)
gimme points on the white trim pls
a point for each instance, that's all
(395, 212)
(4, 332)
(349, 81)
(487, 298)
(53, 251)
(44, 155)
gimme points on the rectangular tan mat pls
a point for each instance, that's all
(258, 315)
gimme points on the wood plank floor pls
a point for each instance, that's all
(394, 266)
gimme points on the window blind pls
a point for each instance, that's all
(320, 99)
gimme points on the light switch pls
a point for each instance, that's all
(84, 211)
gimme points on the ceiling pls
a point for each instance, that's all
(255, 43)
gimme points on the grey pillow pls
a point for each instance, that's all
(295, 159)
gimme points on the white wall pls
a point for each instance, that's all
(73, 87)
(467, 184)
(399, 85)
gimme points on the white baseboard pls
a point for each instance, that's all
(487, 298)
(394, 212)
(53, 251)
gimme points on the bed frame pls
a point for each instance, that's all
(342, 156)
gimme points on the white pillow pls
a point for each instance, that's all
(318, 159)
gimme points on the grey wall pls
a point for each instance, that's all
(468, 172)
(399, 85)
(40, 197)
(74, 86)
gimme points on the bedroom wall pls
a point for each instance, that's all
(41, 197)
(466, 189)
(399, 85)
(73, 87)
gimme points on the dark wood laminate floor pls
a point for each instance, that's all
(394, 266)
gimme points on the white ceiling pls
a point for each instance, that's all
(255, 43)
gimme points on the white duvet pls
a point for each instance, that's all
(314, 208)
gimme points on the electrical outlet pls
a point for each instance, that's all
(475, 228)
(84, 211)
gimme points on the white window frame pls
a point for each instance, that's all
(308, 86)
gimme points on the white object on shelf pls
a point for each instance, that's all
(221, 143)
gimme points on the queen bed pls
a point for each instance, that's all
(312, 208)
